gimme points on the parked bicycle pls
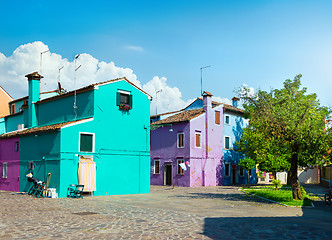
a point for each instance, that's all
(328, 196)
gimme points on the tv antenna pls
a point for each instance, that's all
(59, 84)
(41, 61)
(76, 68)
(202, 78)
(157, 91)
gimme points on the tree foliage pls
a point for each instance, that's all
(286, 130)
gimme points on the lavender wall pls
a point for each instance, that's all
(164, 148)
(8, 154)
(204, 160)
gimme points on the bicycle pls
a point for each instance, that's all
(328, 197)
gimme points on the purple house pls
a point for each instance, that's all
(9, 162)
(186, 148)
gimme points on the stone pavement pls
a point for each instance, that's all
(165, 213)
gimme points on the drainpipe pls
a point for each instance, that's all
(207, 107)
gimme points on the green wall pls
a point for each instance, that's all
(122, 144)
(12, 122)
(61, 109)
(43, 150)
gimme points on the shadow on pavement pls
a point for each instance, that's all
(313, 224)
(225, 196)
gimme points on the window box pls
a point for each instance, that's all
(124, 100)
(125, 107)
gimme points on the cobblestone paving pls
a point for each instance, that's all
(165, 213)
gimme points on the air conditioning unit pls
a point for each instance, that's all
(20, 126)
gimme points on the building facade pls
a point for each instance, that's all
(97, 135)
(186, 148)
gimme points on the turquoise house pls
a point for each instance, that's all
(97, 135)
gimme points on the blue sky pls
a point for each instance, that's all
(259, 43)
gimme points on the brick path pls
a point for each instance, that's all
(165, 213)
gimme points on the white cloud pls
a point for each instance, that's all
(222, 100)
(26, 59)
(169, 99)
(135, 48)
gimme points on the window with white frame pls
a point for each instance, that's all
(227, 142)
(86, 142)
(227, 119)
(124, 100)
(156, 167)
(4, 170)
(198, 139)
(227, 170)
(180, 169)
(180, 140)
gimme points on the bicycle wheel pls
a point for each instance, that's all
(327, 198)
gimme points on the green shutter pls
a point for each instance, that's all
(118, 99)
(86, 143)
(131, 100)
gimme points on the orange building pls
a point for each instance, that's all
(5, 98)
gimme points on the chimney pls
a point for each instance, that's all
(207, 102)
(235, 101)
(34, 96)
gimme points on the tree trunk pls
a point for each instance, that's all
(296, 188)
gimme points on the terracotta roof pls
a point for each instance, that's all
(207, 94)
(233, 109)
(184, 116)
(90, 87)
(166, 113)
(30, 131)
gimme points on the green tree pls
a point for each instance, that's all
(247, 164)
(286, 130)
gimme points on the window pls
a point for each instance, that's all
(180, 169)
(86, 142)
(250, 172)
(31, 165)
(217, 117)
(198, 139)
(156, 166)
(17, 146)
(180, 140)
(13, 108)
(4, 170)
(227, 170)
(227, 142)
(241, 172)
(124, 100)
(227, 119)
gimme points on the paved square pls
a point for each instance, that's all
(165, 213)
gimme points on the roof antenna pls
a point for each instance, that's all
(75, 103)
(157, 91)
(41, 63)
(59, 84)
(202, 78)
